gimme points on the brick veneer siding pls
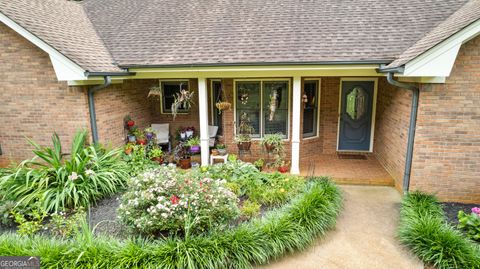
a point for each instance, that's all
(33, 103)
(447, 144)
(391, 128)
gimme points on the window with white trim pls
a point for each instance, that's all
(265, 103)
(310, 100)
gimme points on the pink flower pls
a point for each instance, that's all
(174, 199)
(476, 210)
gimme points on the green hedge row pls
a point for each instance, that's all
(286, 229)
(424, 230)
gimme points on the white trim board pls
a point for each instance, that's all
(374, 111)
(65, 69)
(439, 60)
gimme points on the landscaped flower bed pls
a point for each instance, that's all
(283, 230)
(424, 229)
(223, 216)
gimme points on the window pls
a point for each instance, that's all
(169, 90)
(217, 117)
(310, 100)
(265, 103)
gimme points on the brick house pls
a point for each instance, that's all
(348, 76)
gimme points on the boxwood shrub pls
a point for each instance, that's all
(424, 230)
(291, 227)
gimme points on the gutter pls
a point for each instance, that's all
(376, 62)
(91, 106)
(110, 74)
(411, 130)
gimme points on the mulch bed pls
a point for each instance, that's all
(451, 210)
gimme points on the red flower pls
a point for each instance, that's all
(174, 199)
(130, 123)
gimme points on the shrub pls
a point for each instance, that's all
(250, 209)
(138, 160)
(163, 200)
(31, 222)
(424, 229)
(272, 189)
(470, 223)
(90, 173)
(284, 230)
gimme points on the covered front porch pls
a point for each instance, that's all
(309, 116)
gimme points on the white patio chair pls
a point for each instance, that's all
(162, 132)
(212, 134)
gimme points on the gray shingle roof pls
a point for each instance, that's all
(65, 26)
(464, 16)
(96, 33)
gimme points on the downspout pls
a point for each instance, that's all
(411, 129)
(91, 106)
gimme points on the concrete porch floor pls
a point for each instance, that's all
(347, 171)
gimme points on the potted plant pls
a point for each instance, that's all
(259, 164)
(194, 144)
(221, 149)
(272, 142)
(189, 131)
(129, 123)
(243, 138)
(156, 154)
(140, 137)
(128, 148)
(181, 154)
(149, 133)
(182, 99)
(131, 134)
(244, 141)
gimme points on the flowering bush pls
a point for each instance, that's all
(166, 201)
(470, 223)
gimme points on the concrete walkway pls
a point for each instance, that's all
(364, 236)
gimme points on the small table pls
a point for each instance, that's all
(218, 157)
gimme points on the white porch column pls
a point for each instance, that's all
(203, 112)
(297, 93)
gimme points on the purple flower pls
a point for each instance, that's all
(476, 210)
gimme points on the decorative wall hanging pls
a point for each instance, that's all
(273, 104)
(243, 97)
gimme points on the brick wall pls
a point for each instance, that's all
(391, 128)
(447, 144)
(33, 103)
(118, 100)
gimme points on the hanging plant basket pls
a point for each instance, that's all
(223, 105)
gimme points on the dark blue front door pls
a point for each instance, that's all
(356, 115)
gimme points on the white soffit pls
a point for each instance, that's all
(439, 60)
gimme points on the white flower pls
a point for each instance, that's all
(73, 176)
(89, 172)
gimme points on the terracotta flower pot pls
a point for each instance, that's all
(142, 141)
(185, 163)
(244, 145)
(159, 160)
(214, 152)
(128, 151)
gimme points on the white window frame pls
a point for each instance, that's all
(161, 94)
(319, 99)
(374, 111)
(261, 80)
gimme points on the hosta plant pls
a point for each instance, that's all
(60, 181)
(164, 201)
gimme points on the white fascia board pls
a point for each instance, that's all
(439, 60)
(65, 69)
